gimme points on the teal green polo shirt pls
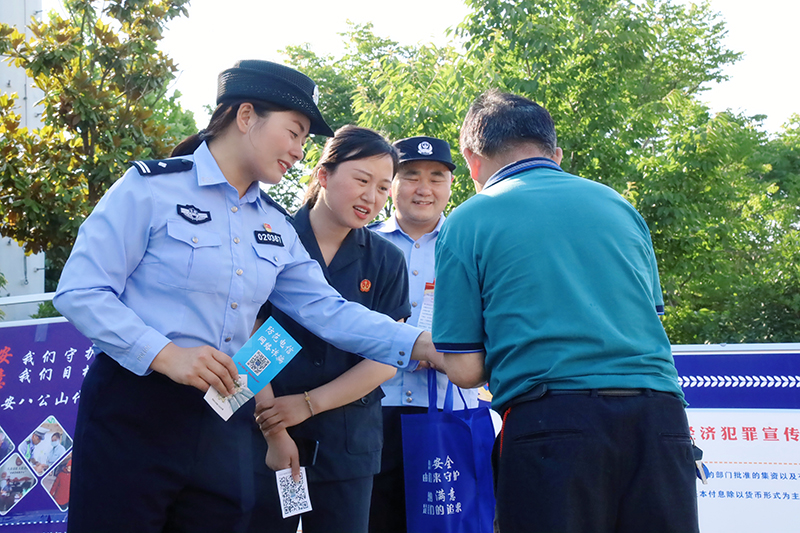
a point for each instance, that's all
(555, 278)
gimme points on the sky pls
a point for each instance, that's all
(217, 34)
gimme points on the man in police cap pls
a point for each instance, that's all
(558, 301)
(29, 445)
(420, 192)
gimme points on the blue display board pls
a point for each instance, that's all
(740, 376)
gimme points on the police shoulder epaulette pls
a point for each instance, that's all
(162, 166)
(268, 199)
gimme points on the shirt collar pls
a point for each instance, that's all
(391, 225)
(348, 251)
(209, 173)
(301, 221)
(521, 166)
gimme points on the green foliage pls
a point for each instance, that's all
(400, 91)
(621, 80)
(2, 284)
(105, 103)
(46, 310)
(425, 92)
(783, 153)
(340, 80)
(723, 231)
(602, 68)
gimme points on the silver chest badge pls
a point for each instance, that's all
(193, 214)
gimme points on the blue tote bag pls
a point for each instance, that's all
(447, 467)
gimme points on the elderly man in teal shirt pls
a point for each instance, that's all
(547, 287)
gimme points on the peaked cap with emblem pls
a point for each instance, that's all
(425, 149)
(274, 83)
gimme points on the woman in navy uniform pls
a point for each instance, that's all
(166, 277)
(325, 395)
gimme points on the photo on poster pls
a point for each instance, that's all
(6, 446)
(45, 446)
(16, 480)
(56, 482)
(225, 406)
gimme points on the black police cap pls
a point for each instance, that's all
(274, 83)
(425, 149)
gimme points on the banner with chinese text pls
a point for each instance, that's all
(744, 412)
(42, 366)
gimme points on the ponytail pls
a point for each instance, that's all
(223, 116)
(190, 144)
(312, 194)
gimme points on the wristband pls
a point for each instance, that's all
(308, 401)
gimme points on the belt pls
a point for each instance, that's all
(599, 392)
(541, 390)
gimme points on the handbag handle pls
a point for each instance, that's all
(448, 396)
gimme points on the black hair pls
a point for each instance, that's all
(223, 116)
(349, 143)
(498, 122)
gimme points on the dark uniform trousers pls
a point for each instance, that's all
(198, 467)
(339, 508)
(591, 463)
(350, 439)
(387, 513)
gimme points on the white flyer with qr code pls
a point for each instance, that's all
(265, 354)
(293, 494)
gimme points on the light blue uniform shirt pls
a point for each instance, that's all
(141, 274)
(410, 388)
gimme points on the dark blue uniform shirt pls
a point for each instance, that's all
(369, 270)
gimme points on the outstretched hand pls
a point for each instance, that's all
(425, 352)
(200, 367)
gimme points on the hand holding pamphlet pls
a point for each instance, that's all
(265, 354)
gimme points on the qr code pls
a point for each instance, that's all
(258, 363)
(293, 496)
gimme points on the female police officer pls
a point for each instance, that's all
(166, 278)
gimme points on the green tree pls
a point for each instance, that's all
(340, 80)
(426, 92)
(621, 80)
(726, 247)
(400, 91)
(602, 68)
(783, 153)
(106, 102)
(2, 284)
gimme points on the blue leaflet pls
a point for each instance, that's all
(265, 354)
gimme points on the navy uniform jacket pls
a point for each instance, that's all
(350, 437)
